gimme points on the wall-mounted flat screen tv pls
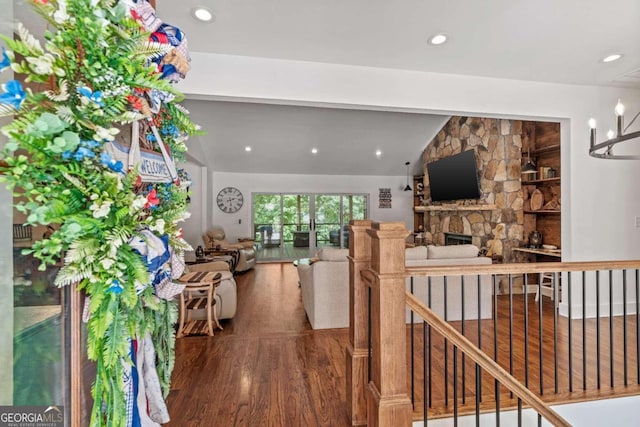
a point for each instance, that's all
(454, 177)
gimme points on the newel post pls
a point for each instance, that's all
(388, 402)
(357, 351)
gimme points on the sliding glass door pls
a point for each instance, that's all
(292, 226)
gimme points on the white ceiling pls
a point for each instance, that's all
(281, 138)
(545, 40)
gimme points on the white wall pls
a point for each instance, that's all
(239, 224)
(599, 197)
(194, 226)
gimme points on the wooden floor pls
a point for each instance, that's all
(267, 368)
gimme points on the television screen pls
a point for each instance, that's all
(454, 177)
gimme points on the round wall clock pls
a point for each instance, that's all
(230, 200)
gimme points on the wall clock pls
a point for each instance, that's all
(230, 200)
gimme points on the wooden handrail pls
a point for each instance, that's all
(520, 268)
(488, 364)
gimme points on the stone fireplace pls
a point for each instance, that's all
(498, 220)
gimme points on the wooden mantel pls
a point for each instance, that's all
(447, 208)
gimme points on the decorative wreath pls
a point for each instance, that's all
(105, 64)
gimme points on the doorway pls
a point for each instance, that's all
(293, 226)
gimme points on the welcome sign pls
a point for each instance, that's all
(151, 164)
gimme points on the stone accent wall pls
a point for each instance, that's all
(498, 147)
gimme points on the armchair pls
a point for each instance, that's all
(246, 252)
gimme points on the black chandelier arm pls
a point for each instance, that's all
(631, 122)
(610, 143)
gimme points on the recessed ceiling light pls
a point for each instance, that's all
(378, 153)
(202, 14)
(612, 58)
(438, 39)
(314, 150)
(247, 148)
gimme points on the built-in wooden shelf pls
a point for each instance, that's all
(547, 149)
(542, 181)
(445, 208)
(543, 211)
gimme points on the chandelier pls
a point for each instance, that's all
(613, 138)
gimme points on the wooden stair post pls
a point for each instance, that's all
(388, 402)
(357, 351)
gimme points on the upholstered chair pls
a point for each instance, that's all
(247, 253)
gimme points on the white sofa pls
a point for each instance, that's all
(325, 285)
(325, 289)
(459, 255)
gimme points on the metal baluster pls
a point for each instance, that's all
(519, 412)
(540, 332)
(413, 361)
(526, 329)
(495, 317)
(478, 394)
(429, 334)
(497, 393)
(464, 370)
(511, 327)
(638, 326)
(570, 347)
(424, 371)
(584, 332)
(624, 322)
(611, 327)
(495, 345)
(479, 336)
(446, 349)
(555, 337)
(539, 420)
(598, 328)
(455, 385)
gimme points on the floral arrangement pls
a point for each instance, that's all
(97, 70)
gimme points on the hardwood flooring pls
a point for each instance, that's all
(267, 367)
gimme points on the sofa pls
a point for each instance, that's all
(324, 285)
(246, 251)
(226, 294)
(458, 255)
